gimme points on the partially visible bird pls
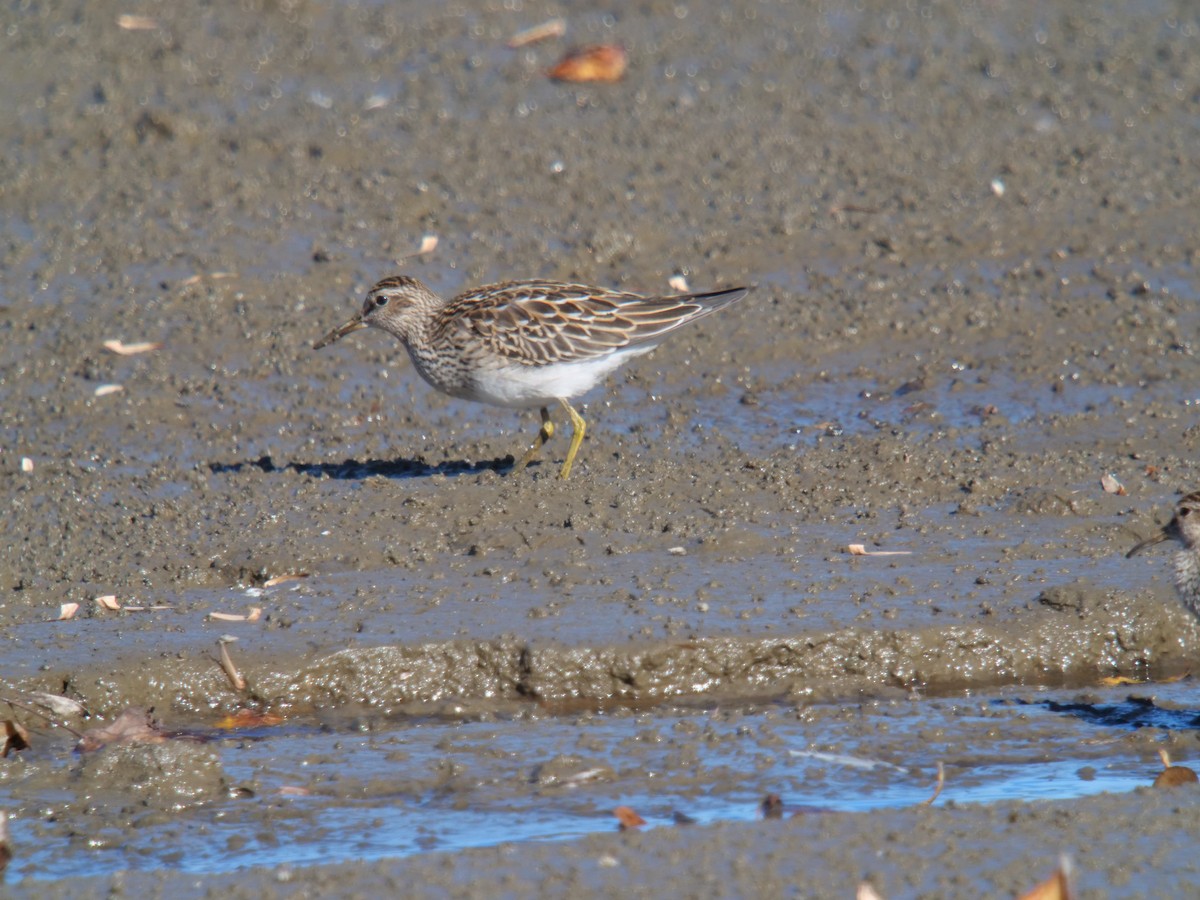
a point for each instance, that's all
(1183, 528)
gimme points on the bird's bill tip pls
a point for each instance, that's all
(340, 332)
(1163, 535)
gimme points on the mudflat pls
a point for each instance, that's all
(971, 232)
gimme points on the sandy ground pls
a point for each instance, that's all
(971, 232)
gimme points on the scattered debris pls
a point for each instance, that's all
(550, 29)
(16, 738)
(604, 63)
(133, 726)
(131, 22)
(283, 579)
(866, 892)
(1111, 485)
(26, 464)
(59, 705)
(628, 818)
(250, 718)
(105, 389)
(1057, 887)
(231, 672)
(253, 616)
(678, 283)
(937, 788)
(998, 187)
(67, 611)
(108, 601)
(682, 818)
(1171, 775)
(861, 550)
(677, 551)
(196, 279)
(123, 349)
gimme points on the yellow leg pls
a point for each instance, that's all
(544, 434)
(578, 427)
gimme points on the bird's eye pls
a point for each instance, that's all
(381, 301)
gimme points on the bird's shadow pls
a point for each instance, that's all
(355, 469)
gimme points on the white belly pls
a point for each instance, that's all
(526, 386)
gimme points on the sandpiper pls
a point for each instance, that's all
(1184, 527)
(525, 344)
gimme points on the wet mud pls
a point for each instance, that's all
(971, 235)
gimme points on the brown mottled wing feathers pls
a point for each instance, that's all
(543, 322)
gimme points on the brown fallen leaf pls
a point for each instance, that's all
(604, 63)
(284, 579)
(67, 611)
(628, 818)
(133, 726)
(16, 738)
(1056, 887)
(861, 550)
(123, 349)
(551, 29)
(250, 718)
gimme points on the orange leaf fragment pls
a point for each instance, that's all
(16, 738)
(67, 611)
(250, 718)
(1118, 680)
(121, 348)
(551, 29)
(628, 818)
(604, 63)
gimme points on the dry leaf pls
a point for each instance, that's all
(133, 726)
(1118, 680)
(67, 611)
(861, 550)
(1111, 485)
(57, 704)
(678, 283)
(250, 718)
(283, 579)
(16, 738)
(108, 601)
(628, 818)
(552, 29)
(26, 464)
(105, 389)
(136, 23)
(123, 349)
(600, 62)
(1056, 887)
